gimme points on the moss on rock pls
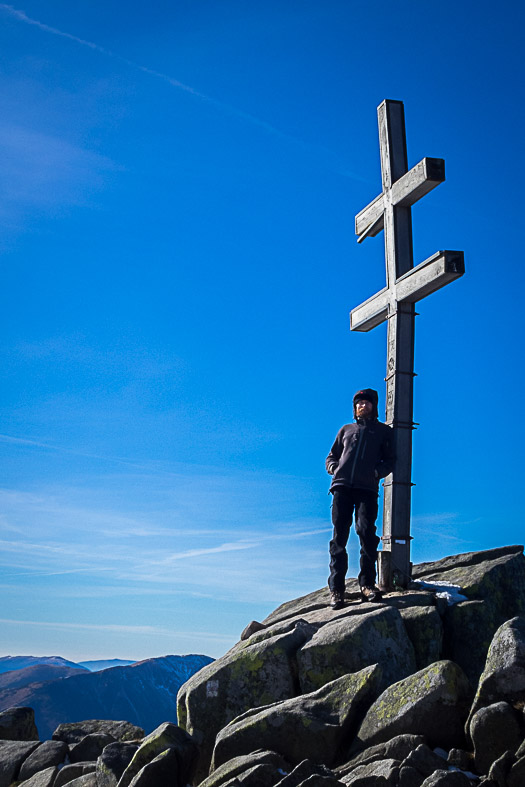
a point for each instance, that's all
(433, 702)
(352, 643)
(312, 725)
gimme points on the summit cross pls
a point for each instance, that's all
(405, 285)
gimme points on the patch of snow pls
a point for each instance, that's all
(444, 590)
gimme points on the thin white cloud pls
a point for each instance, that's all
(37, 168)
(442, 525)
(22, 441)
(189, 553)
(439, 518)
(332, 161)
(118, 628)
(115, 627)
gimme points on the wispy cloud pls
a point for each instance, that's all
(64, 534)
(39, 168)
(444, 525)
(117, 628)
(330, 159)
(87, 626)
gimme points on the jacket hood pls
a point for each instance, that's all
(371, 396)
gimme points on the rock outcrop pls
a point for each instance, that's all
(410, 691)
(18, 724)
(433, 702)
(313, 723)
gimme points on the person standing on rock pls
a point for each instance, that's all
(361, 454)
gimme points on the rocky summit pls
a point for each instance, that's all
(424, 688)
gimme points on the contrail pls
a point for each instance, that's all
(23, 17)
(5, 438)
(336, 166)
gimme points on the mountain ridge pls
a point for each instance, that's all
(12, 663)
(143, 693)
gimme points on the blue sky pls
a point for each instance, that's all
(179, 183)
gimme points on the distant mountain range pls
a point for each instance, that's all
(10, 663)
(38, 673)
(96, 666)
(59, 691)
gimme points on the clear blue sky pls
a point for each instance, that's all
(178, 188)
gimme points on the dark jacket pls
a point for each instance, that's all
(361, 455)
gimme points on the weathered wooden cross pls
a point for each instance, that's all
(405, 285)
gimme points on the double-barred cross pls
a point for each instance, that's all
(405, 285)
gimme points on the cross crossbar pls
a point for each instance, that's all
(406, 191)
(427, 277)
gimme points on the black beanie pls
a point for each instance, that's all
(370, 396)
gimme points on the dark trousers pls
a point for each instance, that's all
(364, 503)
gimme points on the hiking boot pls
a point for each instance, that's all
(337, 599)
(370, 593)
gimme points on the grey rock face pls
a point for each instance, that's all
(312, 725)
(90, 747)
(119, 730)
(397, 748)
(252, 627)
(348, 644)
(18, 724)
(303, 772)
(500, 768)
(384, 772)
(408, 777)
(465, 560)
(516, 777)
(469, 628)
(317, 600)
(70, 773)
(46, 755)
(498, 586)
(314, 608)
(250, 675)
(424, 761)
(238, 765)
(88, 780)
(166, 737)
(262, 775)
(113, 762)
(317, 780)
(425, 630)
(44, 778)
(12, 755)
(459, 758)
(493, 731)
(447, 779)
(504, 675)
(162, 770)
(433, 702)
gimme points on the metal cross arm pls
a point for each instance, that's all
(424, 279)
(406, 191)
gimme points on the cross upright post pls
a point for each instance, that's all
(405, 285)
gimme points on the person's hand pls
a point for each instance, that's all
(332, 468)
